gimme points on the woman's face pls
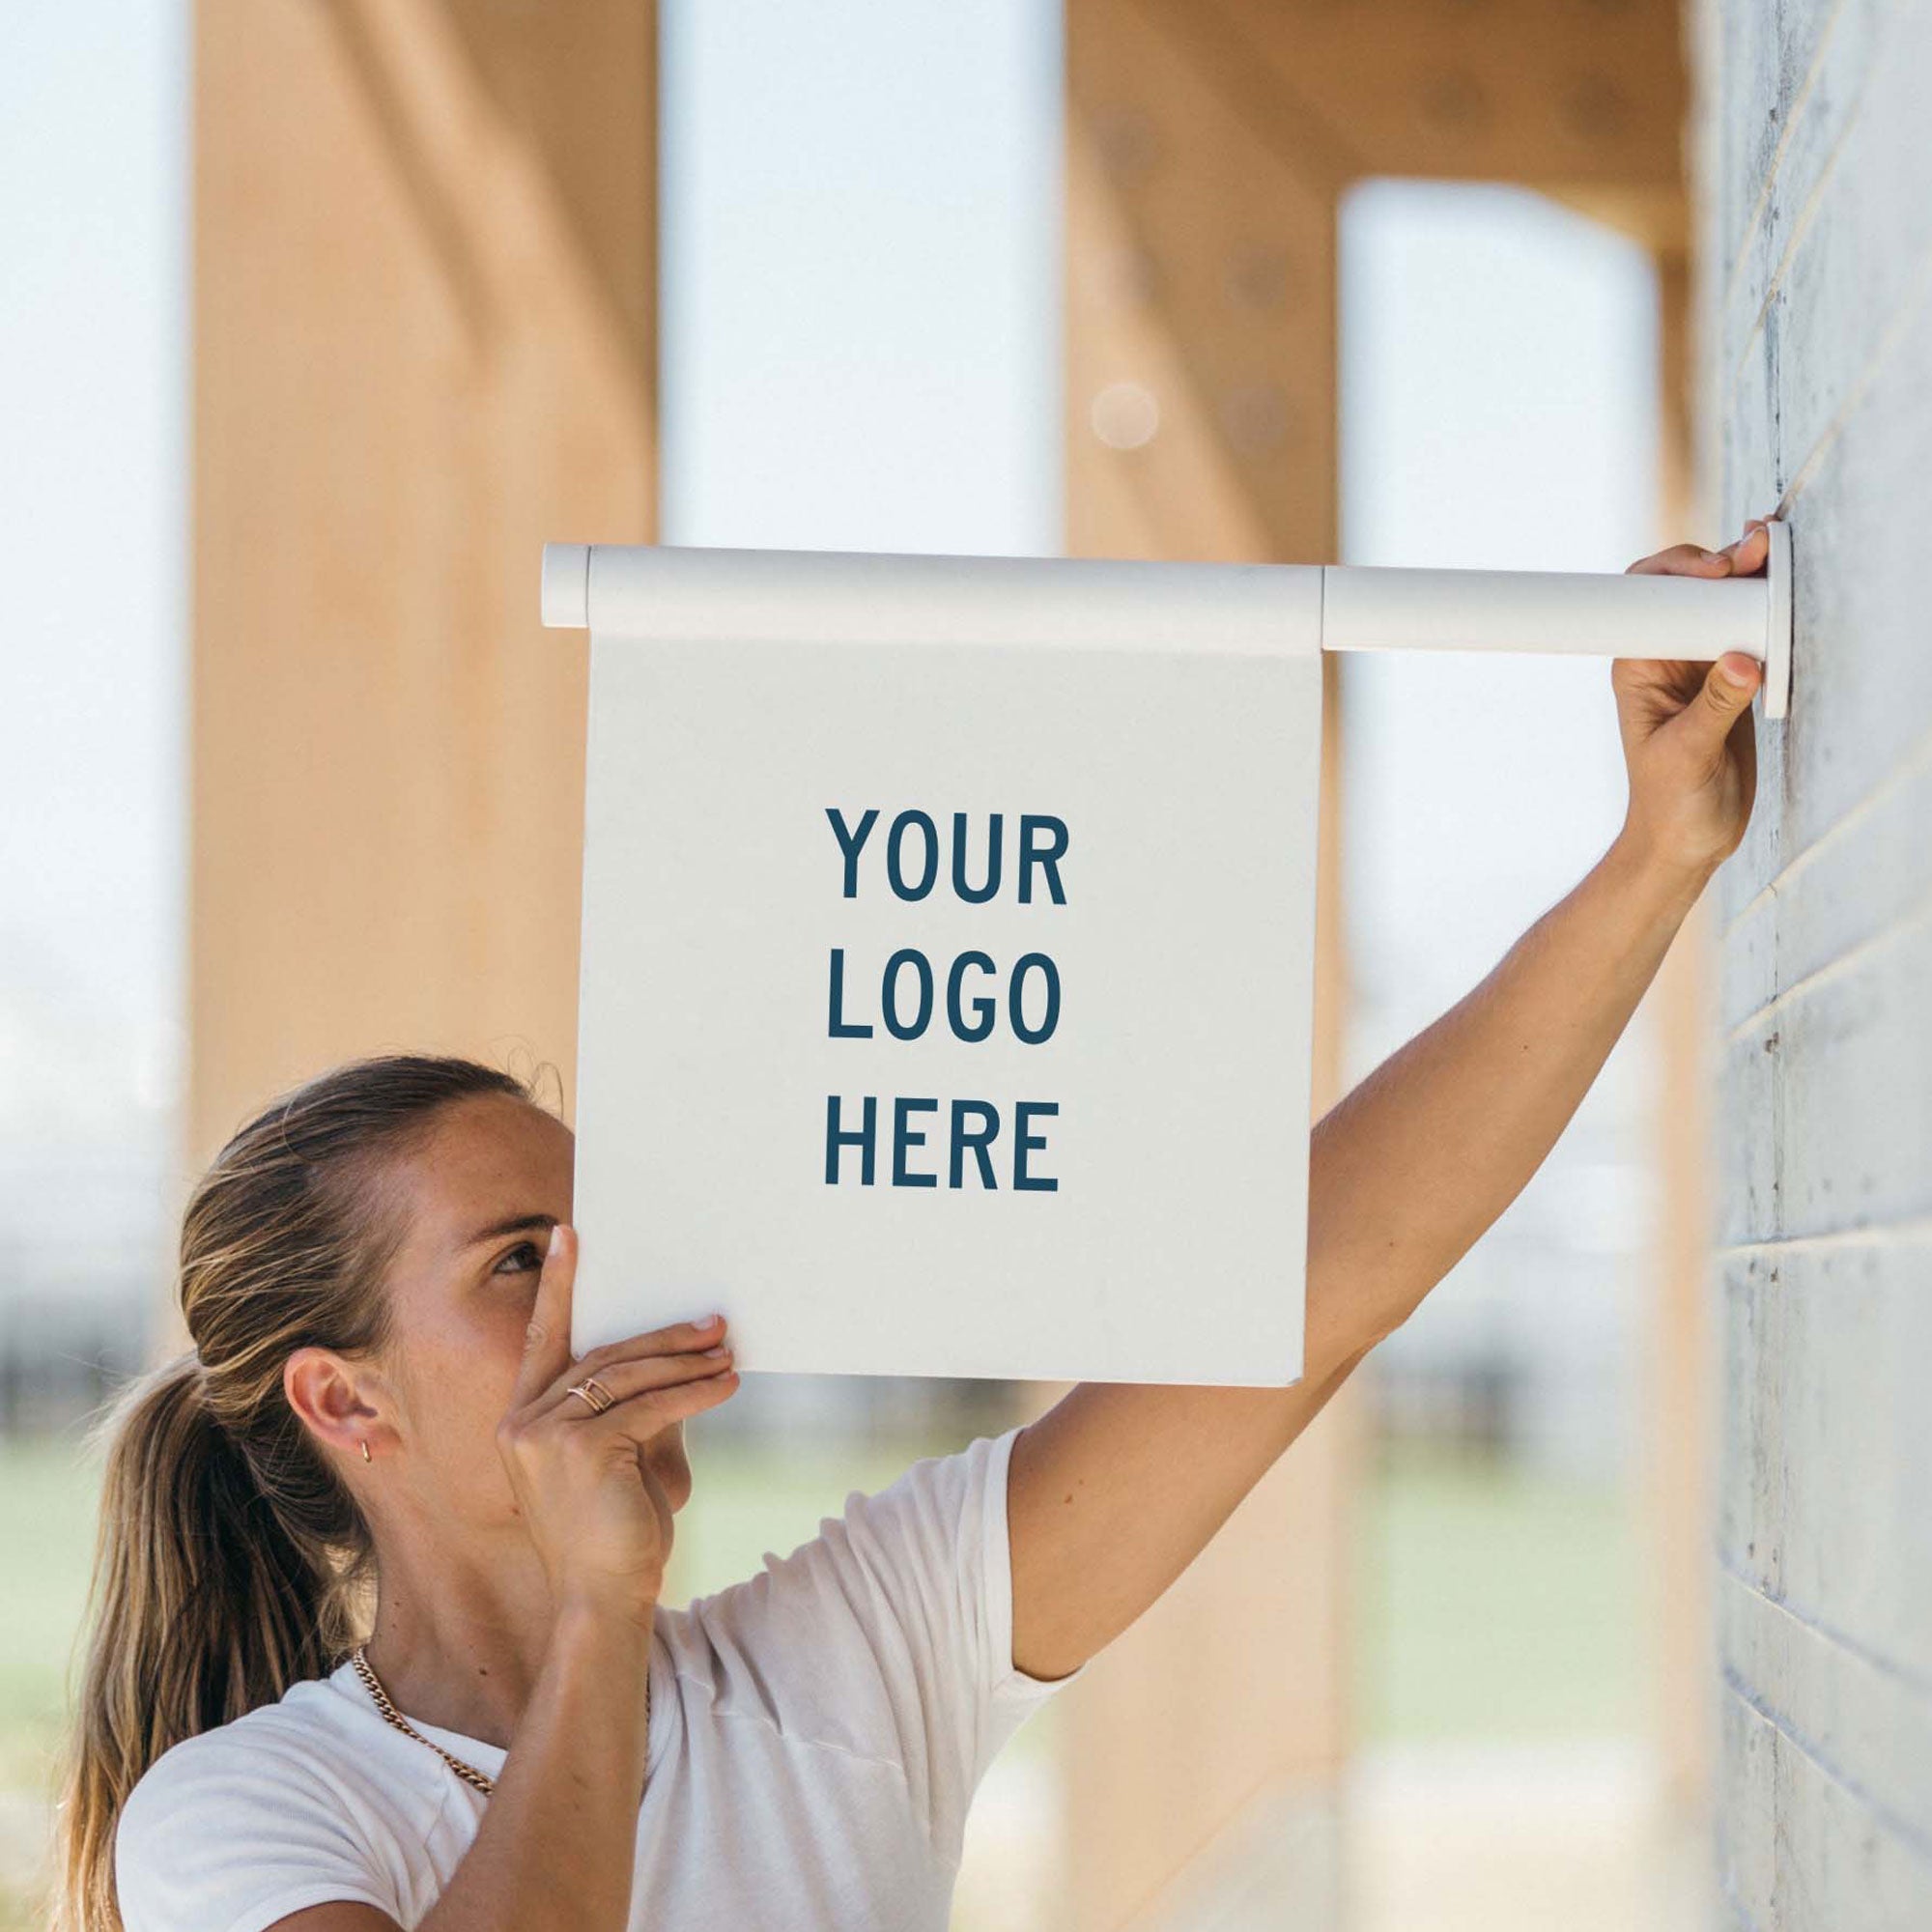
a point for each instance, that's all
(477, 1202)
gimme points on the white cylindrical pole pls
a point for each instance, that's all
(857, 597)
(1366, 609)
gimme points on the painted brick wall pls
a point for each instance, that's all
(1813, 147)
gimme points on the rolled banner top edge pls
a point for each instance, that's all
(695, 594)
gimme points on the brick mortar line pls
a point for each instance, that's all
(1807, 211)
(1912, 760)
(1906, 1233)
(1840, 1640)
(1882, 349)
(1793, 116)
(1835, 968)
(1902, 1830)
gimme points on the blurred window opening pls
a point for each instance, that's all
(1499, 407)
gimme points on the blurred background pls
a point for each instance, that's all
(319, 319)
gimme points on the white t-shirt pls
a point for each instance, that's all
(817, 1734)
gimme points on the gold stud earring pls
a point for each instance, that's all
(365, 1450)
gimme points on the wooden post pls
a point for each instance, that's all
(424, 341)
(1208, 141)
(1676, 1471)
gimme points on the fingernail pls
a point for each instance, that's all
(1736, 672)
(556, 1230)
(721, 1350)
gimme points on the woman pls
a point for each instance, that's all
(380, 1434)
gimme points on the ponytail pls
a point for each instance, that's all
(201, 1608)
(231, 1560)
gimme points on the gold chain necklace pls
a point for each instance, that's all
(468, 1772)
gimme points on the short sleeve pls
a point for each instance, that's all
(928, 1564)
(222, 1835)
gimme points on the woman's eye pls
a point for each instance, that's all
(524, 1254)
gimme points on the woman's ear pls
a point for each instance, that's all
(343, 1405)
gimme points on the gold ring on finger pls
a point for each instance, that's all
(593, 1392)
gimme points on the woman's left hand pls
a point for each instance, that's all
(1688, 742)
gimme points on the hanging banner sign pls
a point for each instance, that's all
(948, 959)
(948, 932)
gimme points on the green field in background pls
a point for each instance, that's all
(1489, 1601)
(46, 1547)
(1493, 1602)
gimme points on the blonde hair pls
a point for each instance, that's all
(231, 1561)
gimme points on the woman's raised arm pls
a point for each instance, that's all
(1117, 1489)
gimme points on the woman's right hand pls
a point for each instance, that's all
(598, 1516)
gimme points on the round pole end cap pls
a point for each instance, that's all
(566, 586)
(1777, 621)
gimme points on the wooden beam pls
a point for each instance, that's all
(424, 341)
(1658, 217)
(1201, 310)
(1531, 91)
